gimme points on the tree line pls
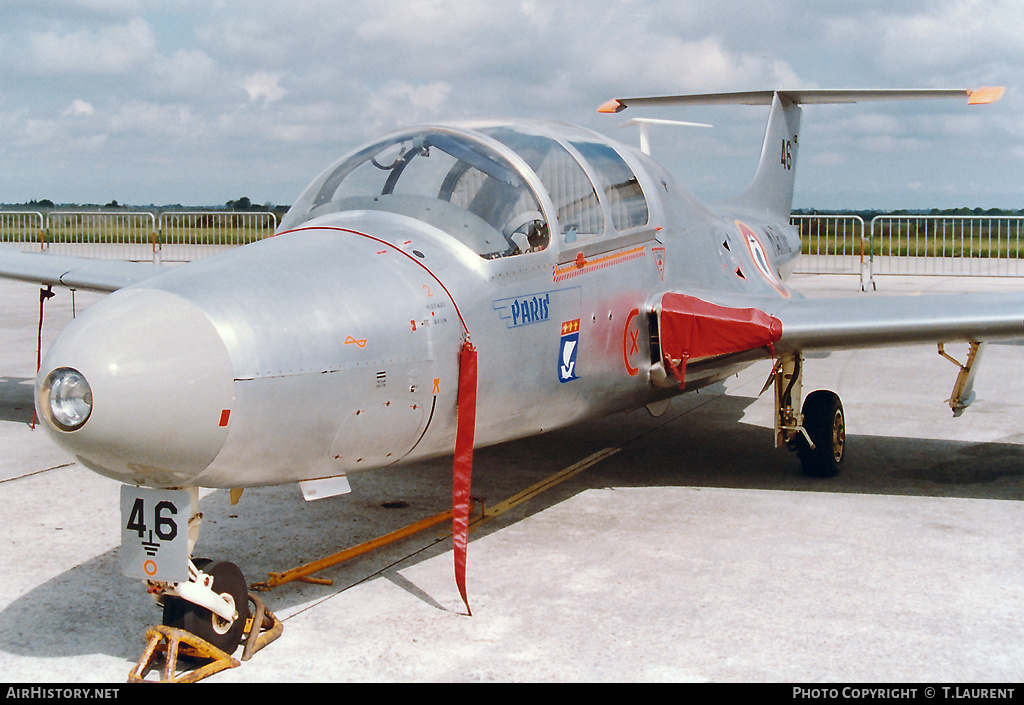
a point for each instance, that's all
(238, 205)
(869, 214)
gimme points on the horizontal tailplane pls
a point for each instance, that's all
(772, 189)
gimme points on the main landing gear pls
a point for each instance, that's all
(816, 430)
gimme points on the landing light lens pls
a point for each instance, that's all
(67, 398)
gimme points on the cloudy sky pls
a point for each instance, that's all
(201, 101)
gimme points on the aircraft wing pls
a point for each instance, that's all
(866, 322)
(692, 328)
(695, 330)
(73, 272)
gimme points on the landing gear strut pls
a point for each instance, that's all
(206, 616)
(816, 430)
(225, 633)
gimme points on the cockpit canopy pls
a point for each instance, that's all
(500, 189)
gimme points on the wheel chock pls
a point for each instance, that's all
(172, 643)
(263, 628)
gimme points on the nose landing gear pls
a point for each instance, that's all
(206, 604)
(205, 638)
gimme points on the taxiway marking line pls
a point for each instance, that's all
(566, 473)
(36, 472)
(545, 484)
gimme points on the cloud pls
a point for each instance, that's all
(75, 9)
(937, 42)
(187, 72)
(151, 120)
(40, 132)
(949, 34)
(79, 107)
(108, 50)
(680, 65)
(433, 22)
(539, 13)
(194, 80)
(399, 102)
(264, 87)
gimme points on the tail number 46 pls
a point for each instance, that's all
(787, 155)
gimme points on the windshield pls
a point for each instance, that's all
(458, 184)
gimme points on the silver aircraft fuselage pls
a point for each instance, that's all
(333, 346)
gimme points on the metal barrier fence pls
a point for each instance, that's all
(130, 236)
(184, 235)
(988, 246)
(135, 236)
(832, 244)
(19, 227)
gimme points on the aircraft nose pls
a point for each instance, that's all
(139, 388)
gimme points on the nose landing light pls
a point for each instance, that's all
(67, 398)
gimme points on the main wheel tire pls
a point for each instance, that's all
(228, 582)
(826, 425)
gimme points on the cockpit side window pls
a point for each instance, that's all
(579, 210)
(621, 188)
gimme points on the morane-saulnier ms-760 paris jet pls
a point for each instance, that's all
(442, 288)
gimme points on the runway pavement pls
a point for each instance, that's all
(695, 552)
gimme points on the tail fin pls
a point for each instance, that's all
(772, 189)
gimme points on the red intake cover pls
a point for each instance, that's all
(692, 329)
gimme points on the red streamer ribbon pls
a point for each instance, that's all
(462, 471)
(44, 294)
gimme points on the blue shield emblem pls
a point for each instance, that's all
(568, 350)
